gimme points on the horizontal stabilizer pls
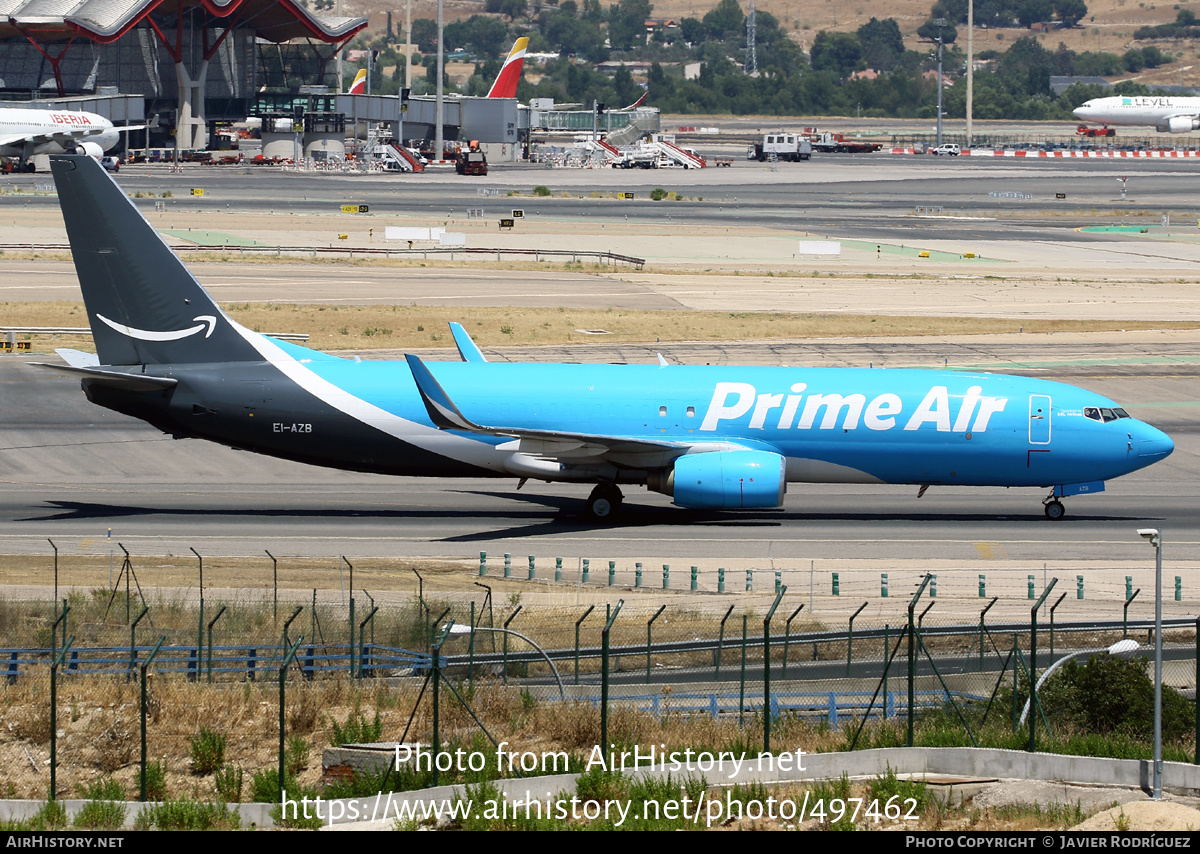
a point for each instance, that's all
(117, 379)
(78, 358)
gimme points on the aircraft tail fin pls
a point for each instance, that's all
(359, 86)
(510, 73)
(143, 305)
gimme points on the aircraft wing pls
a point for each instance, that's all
(65, 135)
(559, 445)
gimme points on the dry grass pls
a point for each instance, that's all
(350, 327)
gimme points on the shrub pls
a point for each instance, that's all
(541, 190)
(156, 781)
(208, 751)
(52, 816)
(186, 814)
(658, 194)
(228, 782)
(355, 730)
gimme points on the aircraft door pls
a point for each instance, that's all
(1039, 419)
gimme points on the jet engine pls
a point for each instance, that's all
(91, 149)
(1179, 124)
(724, 480)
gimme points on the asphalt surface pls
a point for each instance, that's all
(73, 471)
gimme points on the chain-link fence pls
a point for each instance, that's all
(238, 696)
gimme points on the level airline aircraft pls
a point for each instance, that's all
(26, 132)
(710, 437)
(1166, 115)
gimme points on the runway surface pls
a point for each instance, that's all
(72, 471)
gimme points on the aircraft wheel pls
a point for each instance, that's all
(604, 502)
(1055, 510)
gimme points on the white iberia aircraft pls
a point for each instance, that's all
(1164, 114)
(26, 132)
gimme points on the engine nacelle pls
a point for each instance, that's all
(725, 480)
(1179, 124)
(91, 149)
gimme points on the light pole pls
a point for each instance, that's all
(459, 629)
(1155, 539)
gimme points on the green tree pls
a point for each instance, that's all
(837, 52)
(1032, 11)
(627, 24)
(881, 43)
(512, 8)
(725, 20)
(1070, 12)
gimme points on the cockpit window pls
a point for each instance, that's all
(1104, 414)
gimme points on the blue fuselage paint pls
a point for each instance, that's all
(830, 424)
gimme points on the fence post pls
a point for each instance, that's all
(787, 636)
(1034, 706)
(133, 641)
(850, 638)
(511, 617)
(742, 684)
(578, 623)
(58, 659)
(649, 625)
(211, 623)
(767, 707)
(145, 664)
(912, 656)
(604, 671)
(721, 643)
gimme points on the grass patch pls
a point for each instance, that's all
(398, 326)
(186, 814)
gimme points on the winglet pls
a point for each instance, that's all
(442, 411)
(467, 348)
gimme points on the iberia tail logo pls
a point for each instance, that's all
(359, 86)
(510, 74)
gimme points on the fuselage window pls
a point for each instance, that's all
(662, 412)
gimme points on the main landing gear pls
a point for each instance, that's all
(1054, 507)
(604, 502)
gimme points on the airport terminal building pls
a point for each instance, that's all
(193, 61)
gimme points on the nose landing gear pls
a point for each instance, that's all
(1054, 508)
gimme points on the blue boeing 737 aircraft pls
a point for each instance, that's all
(710, 437)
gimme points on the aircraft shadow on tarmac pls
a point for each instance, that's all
(561, 514)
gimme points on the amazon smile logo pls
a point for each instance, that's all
(207, 321)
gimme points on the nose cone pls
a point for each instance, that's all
(1151, 444)
(1080, 112)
